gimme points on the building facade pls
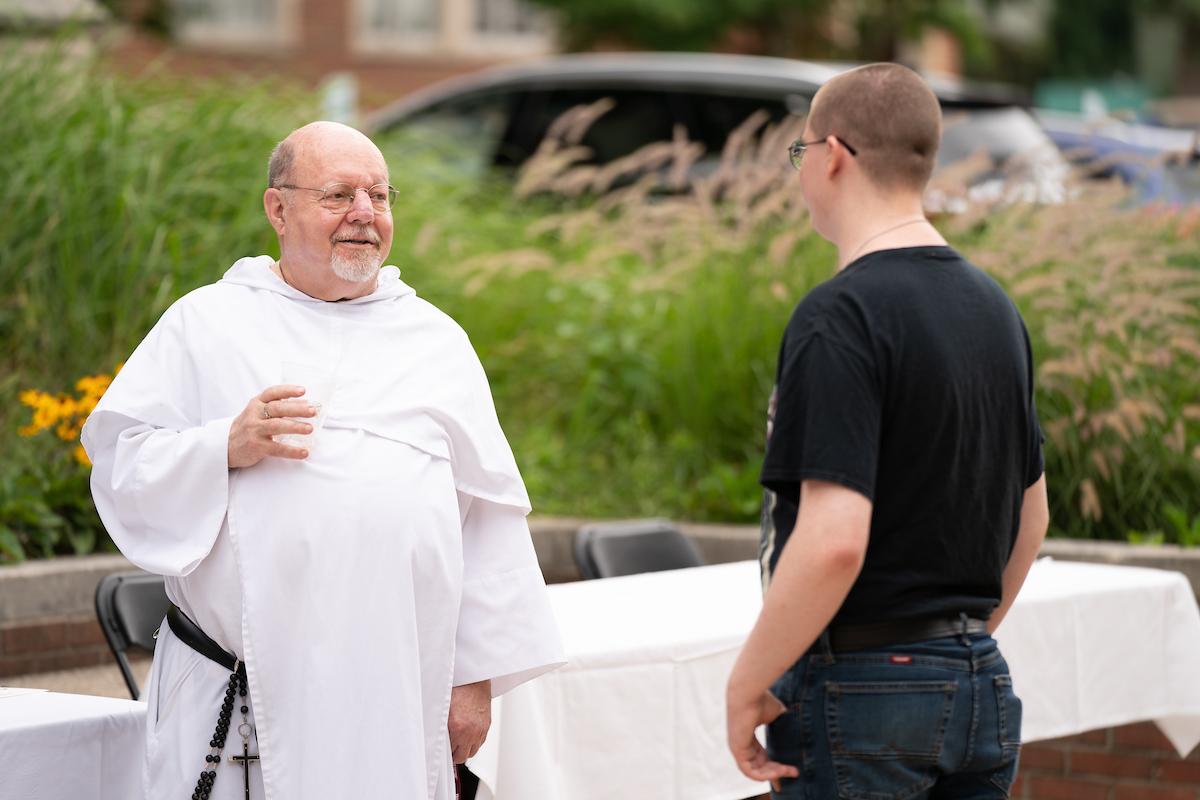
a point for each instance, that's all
(390, 47)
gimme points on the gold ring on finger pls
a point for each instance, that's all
(267, 412)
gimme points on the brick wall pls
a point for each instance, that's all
(323, 45)
(1133, 762)
(381, 80)
(51, 643)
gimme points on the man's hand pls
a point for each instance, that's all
(250, 435)
(742, 717)
(470, 718)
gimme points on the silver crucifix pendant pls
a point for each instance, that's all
(245, 758)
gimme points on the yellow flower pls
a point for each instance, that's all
(68, 430)
(63, 413)
(92, 387)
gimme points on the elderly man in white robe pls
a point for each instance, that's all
(354, 581)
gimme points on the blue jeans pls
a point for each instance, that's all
(930, 720)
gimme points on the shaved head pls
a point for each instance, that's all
(889, 115)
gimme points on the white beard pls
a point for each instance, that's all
(356, 267)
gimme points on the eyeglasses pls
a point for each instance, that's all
(797, 148)
(339, 197)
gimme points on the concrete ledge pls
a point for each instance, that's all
(65, 587)
(554, 539)
(57, 587)
(1160, 556)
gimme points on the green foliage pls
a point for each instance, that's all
(1112, 300)
(118, 191)
(667, 24)
(797, 28)
(46, 507)
(1090, 38)
(629, 334)
(1185, 529)
(1181, 529)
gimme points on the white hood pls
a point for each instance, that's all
(256, 273)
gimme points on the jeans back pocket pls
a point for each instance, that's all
(885, 739)
(1008, 726)
(1008, 711)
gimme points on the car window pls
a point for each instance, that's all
(638, 118)
(460, 132)
(712, 118)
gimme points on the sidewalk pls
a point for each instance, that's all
(104, 681)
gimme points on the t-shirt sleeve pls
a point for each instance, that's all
(1037, 459)
(827, 417)
(1036, 463)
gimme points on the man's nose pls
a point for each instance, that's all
(361, 209)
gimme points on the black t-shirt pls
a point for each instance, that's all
(908, 377)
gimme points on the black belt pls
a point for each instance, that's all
(846, 638)
(190, 634)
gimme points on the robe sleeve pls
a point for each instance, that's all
(506, 629)
(161, 494)
(160, 472)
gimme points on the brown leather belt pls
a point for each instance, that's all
(847, 638)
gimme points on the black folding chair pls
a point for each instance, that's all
(609, 549)
(130, 607)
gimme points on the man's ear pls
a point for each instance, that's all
(274, 206)
(836, 155)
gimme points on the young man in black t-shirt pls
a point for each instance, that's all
(905, 500)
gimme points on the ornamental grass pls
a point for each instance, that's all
(629, 319)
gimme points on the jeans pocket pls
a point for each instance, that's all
(786, 739)
(885, 739)
(786, 688)
(1008, 723)
(1008, 712)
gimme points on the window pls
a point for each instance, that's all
(403, 16)
(638, 118)
(236, 23)
(399, 25)
(451, 27)
(509, 26)
(459, 136)
(506, 18)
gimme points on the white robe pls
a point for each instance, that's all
(358, 585)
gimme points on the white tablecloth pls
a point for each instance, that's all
(639, 710)
(70, 747)
(1092, 646)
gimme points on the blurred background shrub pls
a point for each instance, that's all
(629, 330)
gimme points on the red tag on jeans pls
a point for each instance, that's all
(901, 659)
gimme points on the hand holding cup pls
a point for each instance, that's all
(275, 412)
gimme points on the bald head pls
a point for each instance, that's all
(315, 141)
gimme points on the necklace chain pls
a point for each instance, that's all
(872, 238)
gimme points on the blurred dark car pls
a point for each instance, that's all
(1161, 165)
(496, 118)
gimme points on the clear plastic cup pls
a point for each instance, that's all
(318, 387)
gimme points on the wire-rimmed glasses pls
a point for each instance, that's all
(339, 197)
